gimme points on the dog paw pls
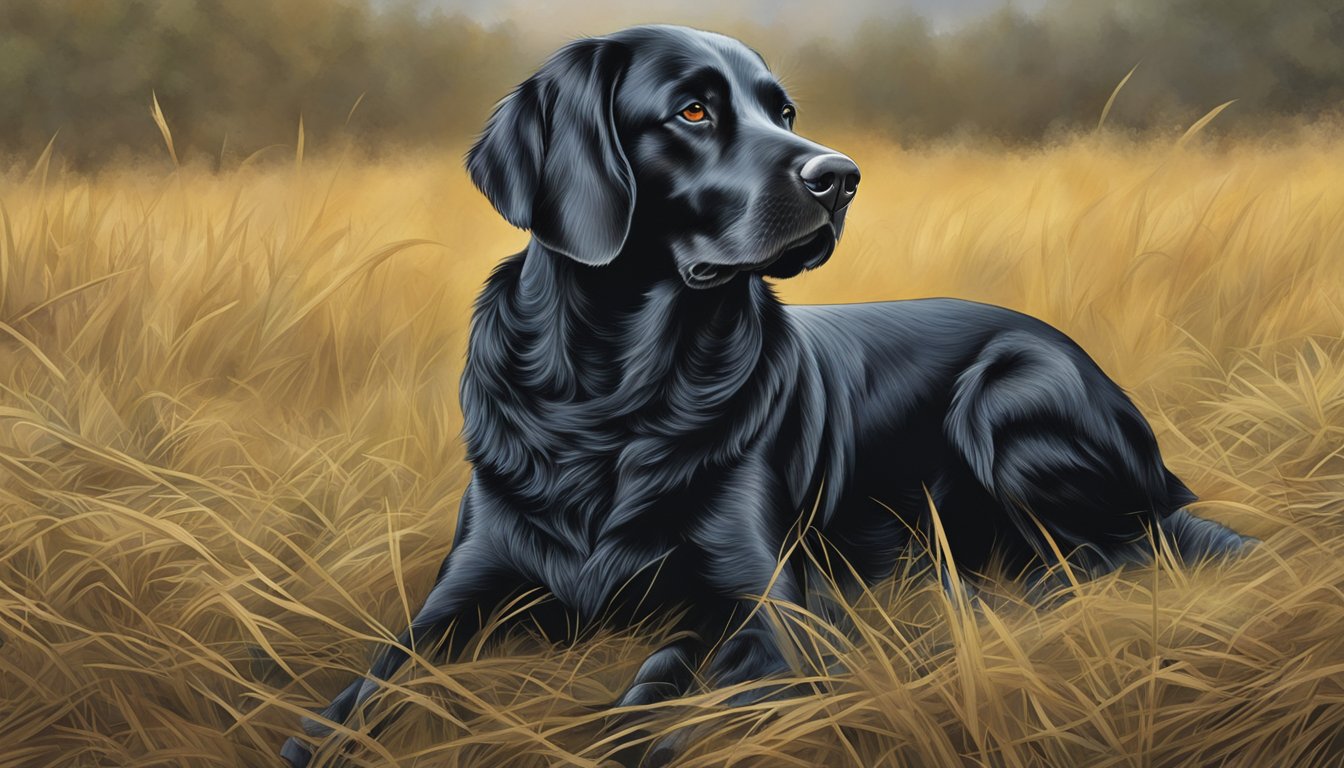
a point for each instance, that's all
(660, 756)
(296, 753)
(313, 727)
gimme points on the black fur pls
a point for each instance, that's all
(647, 425)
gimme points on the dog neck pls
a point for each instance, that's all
(604, 369)
(605, 338)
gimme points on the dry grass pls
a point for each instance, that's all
(229, 464)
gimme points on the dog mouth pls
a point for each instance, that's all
(806, 252)
(705, 274)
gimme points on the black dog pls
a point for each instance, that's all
(649, 427)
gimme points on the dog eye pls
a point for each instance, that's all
(694, 112)
(789, 113)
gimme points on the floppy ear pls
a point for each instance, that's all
(549, 159)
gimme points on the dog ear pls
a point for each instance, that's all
(549, 159)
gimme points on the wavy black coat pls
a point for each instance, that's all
(651, 430)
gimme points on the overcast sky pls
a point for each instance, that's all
(551, 19)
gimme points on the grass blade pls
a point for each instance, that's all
(1106, 110)
(157, 113)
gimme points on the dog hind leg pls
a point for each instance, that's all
(1056, 442)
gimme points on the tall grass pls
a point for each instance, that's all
(229, 466)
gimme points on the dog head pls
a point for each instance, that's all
(664, 143)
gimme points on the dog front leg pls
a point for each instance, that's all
(742, 540)
(755, 651)
(666, 674)
(469, 585)
(763, 602)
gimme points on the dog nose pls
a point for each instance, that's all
(832, 179)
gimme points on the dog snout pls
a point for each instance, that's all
(832, 179)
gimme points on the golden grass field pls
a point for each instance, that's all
(230, 465)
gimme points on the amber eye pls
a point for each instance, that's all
(694, 113)
(789, 113)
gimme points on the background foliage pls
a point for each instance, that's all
(235, 77)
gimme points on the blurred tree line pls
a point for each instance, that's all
(1017, 77)
(234, 76)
